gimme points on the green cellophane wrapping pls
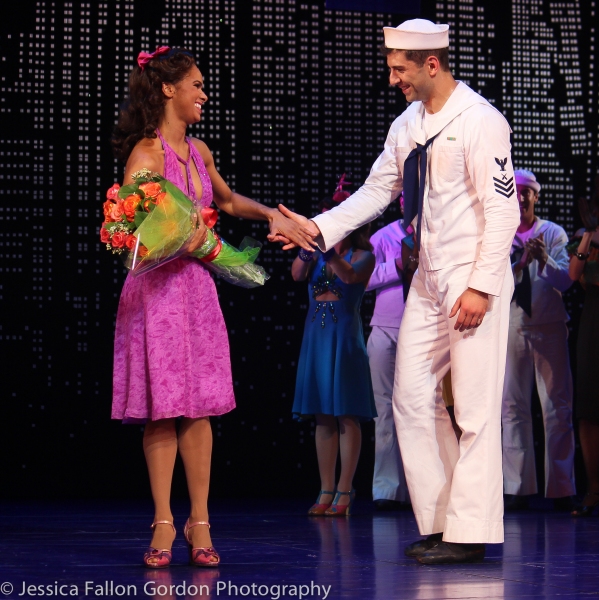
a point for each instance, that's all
(167, 230)
(237, 266)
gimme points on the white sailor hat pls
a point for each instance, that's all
(527, 179)
(417, 34)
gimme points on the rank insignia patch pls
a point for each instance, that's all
(501, 162)
(503, 186)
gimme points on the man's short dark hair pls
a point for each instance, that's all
(419, 56)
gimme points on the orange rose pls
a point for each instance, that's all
(117, 211)
(104, 235)
(130, 241)
(151, 189)
(146, 205)
(107, 206)
(142, 250)
(118, 239)
(113, 192)
(130, 203)
(158, 200)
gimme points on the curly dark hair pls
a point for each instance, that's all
(142, 110)
(360, 238)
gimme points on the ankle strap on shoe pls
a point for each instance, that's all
(190, 525)
(153, 525)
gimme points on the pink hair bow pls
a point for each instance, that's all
(144, 58)
(340, 194)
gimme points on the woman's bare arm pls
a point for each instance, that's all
(576, 266)
(359, 271)
(240, 206)
(300, 269)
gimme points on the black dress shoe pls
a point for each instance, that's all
(513, 503)
(421, 546)
(384, 505)
(445, 553)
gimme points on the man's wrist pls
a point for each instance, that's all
(479, 293)
(313, 228)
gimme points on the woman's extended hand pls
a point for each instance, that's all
(292, 229)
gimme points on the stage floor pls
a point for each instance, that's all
(94, 549)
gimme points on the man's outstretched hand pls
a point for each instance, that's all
(293, 230)
(472, 307)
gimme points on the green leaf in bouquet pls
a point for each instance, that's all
(132, 188)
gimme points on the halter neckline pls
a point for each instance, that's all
(189, 183)
(181, 160)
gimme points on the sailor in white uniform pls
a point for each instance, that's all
(465, 210)
(389, 488)
(538, 352)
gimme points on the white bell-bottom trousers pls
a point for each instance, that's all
(455, 487)
(389, 480)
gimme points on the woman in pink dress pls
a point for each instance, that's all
(171, 347)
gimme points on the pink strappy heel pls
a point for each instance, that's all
(156, 558)
(200, 557)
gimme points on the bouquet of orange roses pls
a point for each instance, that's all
(151, 221)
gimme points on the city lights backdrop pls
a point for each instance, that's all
(298, 95)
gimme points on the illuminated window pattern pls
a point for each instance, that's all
(298, 94)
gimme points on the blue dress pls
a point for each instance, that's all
(333, 374)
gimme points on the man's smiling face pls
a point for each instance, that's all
(414, 81)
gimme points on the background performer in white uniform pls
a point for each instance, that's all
(389, 488)
(457, 312)
(538, 351)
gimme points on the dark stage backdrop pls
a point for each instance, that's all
(298, 95)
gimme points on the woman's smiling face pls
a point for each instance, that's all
(189, 96)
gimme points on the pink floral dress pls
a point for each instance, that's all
(171, 350)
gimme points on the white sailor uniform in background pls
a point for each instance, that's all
(389, 481)
(538, 351)
(470, 217)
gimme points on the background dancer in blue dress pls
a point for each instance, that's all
(333, 377)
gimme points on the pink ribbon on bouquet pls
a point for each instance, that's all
(143, 58)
